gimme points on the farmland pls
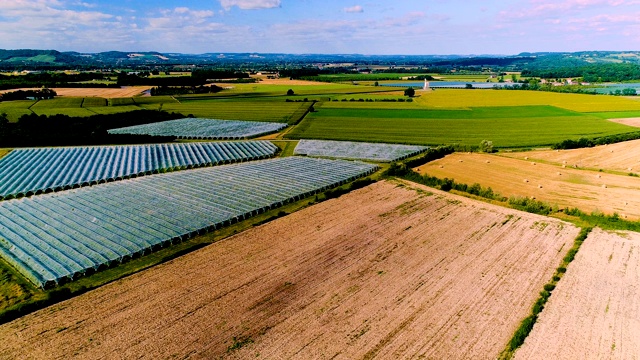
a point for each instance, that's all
(621, 157)
(506, 126)
(593, 312)
(33, 171)
(354, 150)
(198, 128)
(380, 272)
(128, 218)
(586, 190)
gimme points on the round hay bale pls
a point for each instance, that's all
(598, 176)
(488, 162)
(539, 186)
(441, 166)
(526, 158)
(460, 160)
(533, 163)
(564, 166)
(559, 173)
(604, 186)
(526, 180)
(564, 162)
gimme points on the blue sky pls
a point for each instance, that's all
(321, 26)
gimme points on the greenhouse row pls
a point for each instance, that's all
(58, 237)
(25, 172)
(357, 150)
(200, 128)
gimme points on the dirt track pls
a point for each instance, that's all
(594, 312)
(383, 272)
(624, 156)
(586, 190)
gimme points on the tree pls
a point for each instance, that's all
(376, 84)
(486, 146)
(410, 92)
(468, 86)
(290, 92)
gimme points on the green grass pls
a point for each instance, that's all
(112, 109)
(62, 102)
(15, 109)
(286, 147)
(121, 101)
(522, 126)
(245, 109)
(94, 102)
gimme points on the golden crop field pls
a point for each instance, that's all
(461, 98)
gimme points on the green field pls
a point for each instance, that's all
(508, 126)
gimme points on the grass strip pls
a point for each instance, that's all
(527, 323)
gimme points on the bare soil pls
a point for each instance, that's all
(388, 271)
(624, 157)
(586, 190)
(594, 312)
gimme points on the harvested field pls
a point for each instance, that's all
(127, 91)
(635, 122)
(594, 311)
(385, 271)
(109, 93)
(584, 189)
(624, 157)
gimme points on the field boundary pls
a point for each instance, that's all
(527, 323)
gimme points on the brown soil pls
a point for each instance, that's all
(624, 156)
(566, 187)
(635, 122)
(594, 311)
(389, 271)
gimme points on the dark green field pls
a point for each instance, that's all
(517, 126)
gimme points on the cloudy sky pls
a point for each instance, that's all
(321, 26)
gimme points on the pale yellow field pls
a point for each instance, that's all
(108, 93)
(594, 312)
(584, 189)
(454, 98)
(623, 157)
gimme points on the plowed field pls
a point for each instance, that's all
(586, 190)
(387, 271)
(594, 312)
(624, 156)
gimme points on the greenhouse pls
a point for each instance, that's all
(201, 128)
(26, 172)
(357, 150)
(58, 237)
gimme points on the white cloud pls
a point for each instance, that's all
(250, 4)
(354, 9)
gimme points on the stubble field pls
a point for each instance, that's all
(387, 271)
(594, 312)
(622, 157)
(586, 190)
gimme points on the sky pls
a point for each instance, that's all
(411, 27)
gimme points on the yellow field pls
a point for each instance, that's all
(622, 157)
(454, 98)
(566, 187)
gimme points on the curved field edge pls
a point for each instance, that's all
(318, 289)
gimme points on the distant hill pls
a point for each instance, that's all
(30, 59)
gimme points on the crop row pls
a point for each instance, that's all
(57, 237)
(357, 150)
(25, 172)
(200, 128)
